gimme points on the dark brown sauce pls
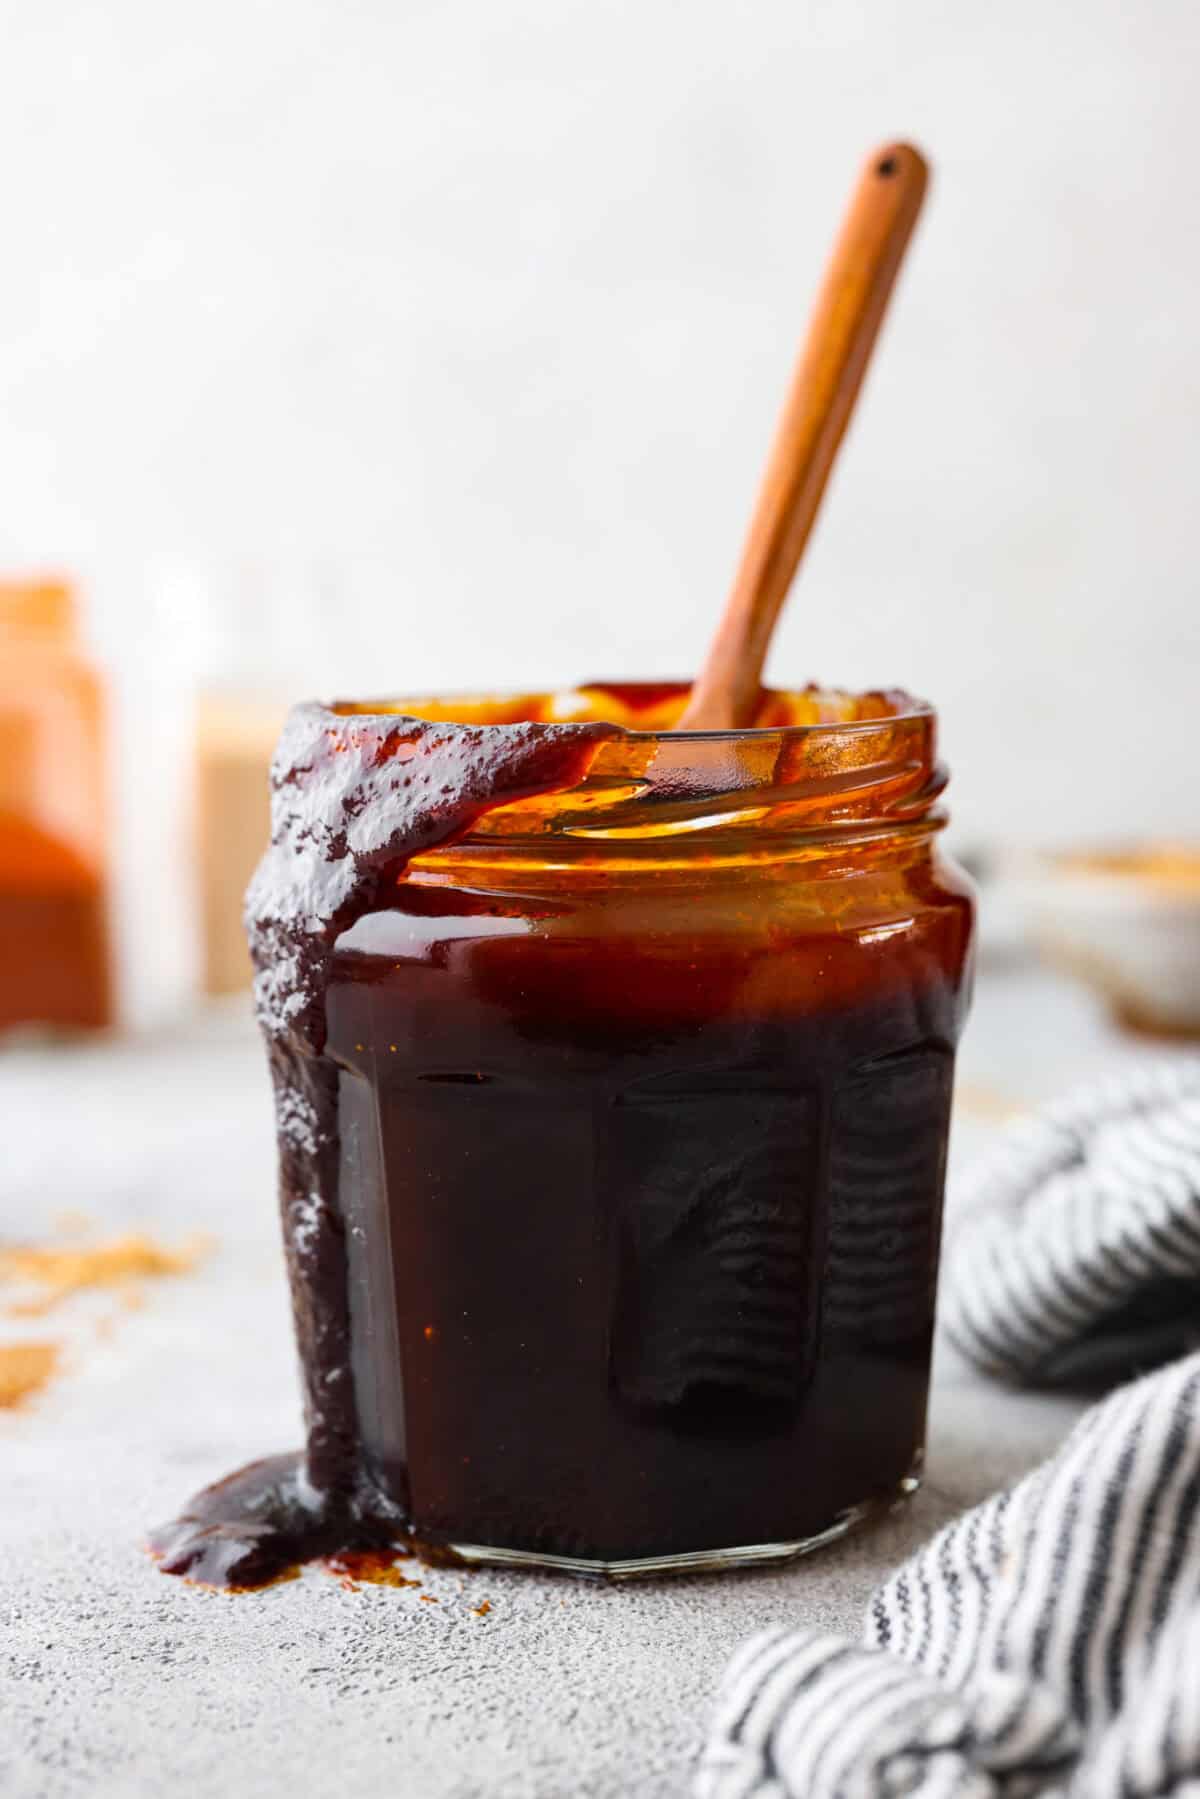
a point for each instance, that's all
(666, 1268)
(716, 1308)
(259, 1526)
(255, 1528)
(353, 799)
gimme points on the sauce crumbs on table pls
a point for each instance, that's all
(25, 1369)
(45, 1274)
(120, 1263)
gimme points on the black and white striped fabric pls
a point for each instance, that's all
(1076, 1252)
(1047, 1642)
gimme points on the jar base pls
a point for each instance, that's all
(695, 1561)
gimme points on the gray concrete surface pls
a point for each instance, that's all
(115, 1680)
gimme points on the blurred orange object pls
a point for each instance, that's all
(54, 950)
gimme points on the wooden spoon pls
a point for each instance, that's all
(841, 335)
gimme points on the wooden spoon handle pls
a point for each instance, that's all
(841, 335)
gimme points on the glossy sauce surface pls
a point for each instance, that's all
(660, 1168)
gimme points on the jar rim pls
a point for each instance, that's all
(873, 770)
(838, 711)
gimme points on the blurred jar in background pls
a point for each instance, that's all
(235, 739)
(205, 655)
(243, 628)
(54, 852)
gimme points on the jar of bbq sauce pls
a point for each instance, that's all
(612, 1069)
(643, 1089)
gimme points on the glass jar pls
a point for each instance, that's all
(642, 1096)
(54, 852)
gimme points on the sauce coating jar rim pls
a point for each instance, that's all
(859, 767)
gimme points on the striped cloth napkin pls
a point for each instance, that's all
(1047, 1642)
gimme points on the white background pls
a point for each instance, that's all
(465, 323)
